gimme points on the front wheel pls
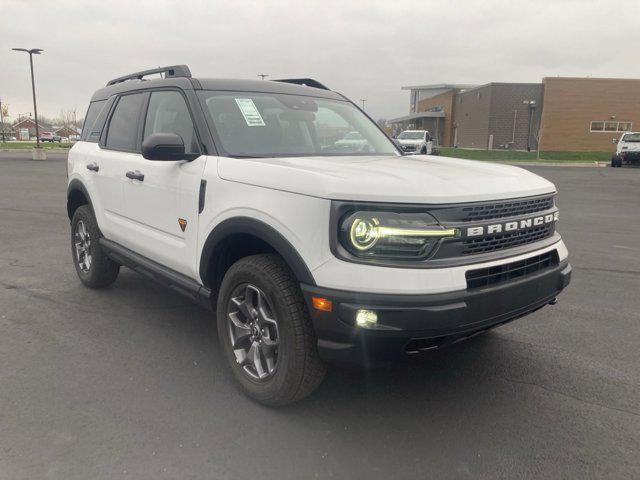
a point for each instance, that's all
(266, 333)
(616, 161)
(93, 267)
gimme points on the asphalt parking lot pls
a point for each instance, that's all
(128, 382)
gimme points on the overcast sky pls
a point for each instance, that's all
(363, 49)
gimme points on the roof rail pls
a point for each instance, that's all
(309, 82)
(172, 71)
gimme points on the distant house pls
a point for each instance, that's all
(30, 124)
(65, 131)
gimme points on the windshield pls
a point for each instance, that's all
(411, 135)
(250, 124)
(631, 137)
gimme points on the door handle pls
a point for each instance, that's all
(135, 175)
(93, 167)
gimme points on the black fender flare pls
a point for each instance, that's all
(77, 185)
(261, 230)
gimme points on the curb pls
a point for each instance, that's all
(556, 164)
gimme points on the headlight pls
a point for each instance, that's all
(392, 235)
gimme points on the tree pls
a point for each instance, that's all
(537, 134)
(4, 113)
(382, 122)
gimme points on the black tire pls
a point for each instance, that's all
(102, 271)
(616, 161)
(423, 151)
(298, 369)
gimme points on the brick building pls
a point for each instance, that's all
(565, 114)
(431, 108)
(588, 114)
(498, 115)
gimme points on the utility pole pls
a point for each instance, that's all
(263, 75)
(363, 100)
(32, 52)
(532, 107)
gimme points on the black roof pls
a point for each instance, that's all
(221, 84)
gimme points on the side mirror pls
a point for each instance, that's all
(163, 146)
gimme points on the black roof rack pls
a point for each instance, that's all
(309, 82)
(172, 71)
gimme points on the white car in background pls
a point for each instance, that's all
(627, 151)
(352, 142)
(416, 142)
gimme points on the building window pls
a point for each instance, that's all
(603, 126)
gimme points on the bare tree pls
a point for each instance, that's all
(382, 122)
(537, 134)
(67, 118)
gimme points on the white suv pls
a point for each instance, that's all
(627, 150)
(415, 141)
(241, 195)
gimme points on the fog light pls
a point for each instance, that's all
(366, 318)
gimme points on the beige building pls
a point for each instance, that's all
(588, 114)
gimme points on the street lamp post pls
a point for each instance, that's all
(363, 100)
(263, 75)
(32, 52)
(532, 107)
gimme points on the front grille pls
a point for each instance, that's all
(507, 240)
(484, 277)
(516, 208)
(408, 148)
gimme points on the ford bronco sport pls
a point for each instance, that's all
(234, 193)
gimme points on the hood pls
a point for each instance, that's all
(409, 141)
(399, 179)
(630, 147)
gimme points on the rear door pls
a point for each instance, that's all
(161, 205)
(118, 146)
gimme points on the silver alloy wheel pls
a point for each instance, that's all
(82, 243)
(253, 332)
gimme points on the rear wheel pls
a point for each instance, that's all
(616, 161)
(266, 333)
(93, 267)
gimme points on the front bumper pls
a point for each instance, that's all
(411, 324)
(630, 157)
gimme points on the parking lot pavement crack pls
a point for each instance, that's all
(566, 395)
(24, 210)
(40, 295)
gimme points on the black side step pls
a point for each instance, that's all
(158, 273)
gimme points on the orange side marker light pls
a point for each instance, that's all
(320, 303)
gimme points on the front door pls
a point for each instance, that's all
(160, 202)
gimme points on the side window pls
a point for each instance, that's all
(168, 113)
(90, 120)
(123, 127)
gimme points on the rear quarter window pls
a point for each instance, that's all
(90, 123)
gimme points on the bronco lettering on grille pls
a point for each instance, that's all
(512, 226)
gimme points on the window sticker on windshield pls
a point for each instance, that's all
(250, 112)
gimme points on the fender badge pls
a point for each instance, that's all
(183, 224)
